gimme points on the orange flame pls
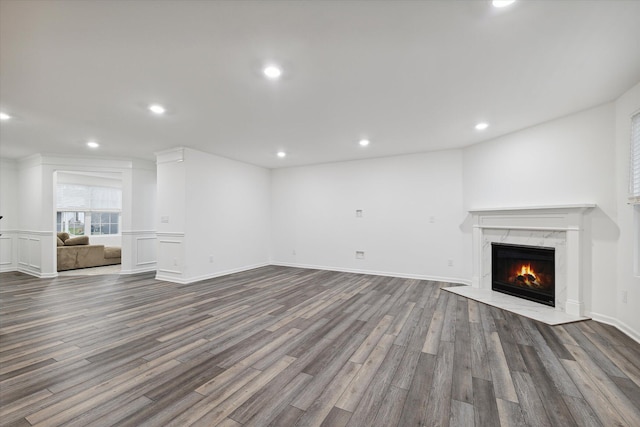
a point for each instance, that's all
(526, 269)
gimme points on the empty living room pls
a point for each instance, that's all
(319, 213)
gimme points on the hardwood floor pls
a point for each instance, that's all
(284, 346)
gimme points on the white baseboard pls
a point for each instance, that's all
(626, 329)
(37, 274)
(181, 281)
(146, 269)
(377, 273)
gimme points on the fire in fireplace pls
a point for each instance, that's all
(524, 271)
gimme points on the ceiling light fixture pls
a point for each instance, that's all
(482, 126)
(157, 109)
(272, 72)
(282, 154)
(502, 3)
(93, 144)
(4, 116)
(364, 142)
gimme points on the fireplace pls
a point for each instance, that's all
(524, 271)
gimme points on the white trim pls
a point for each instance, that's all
(134, 232)
(623, 327)
(532, 228)
(139, 270)
(169, 234)
(579, 206)
(37, 233)
(452, 280)
(209, 276)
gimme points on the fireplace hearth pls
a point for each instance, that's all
(524, 271)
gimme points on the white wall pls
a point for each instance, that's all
(564, 161)
(9, 210)
(218, 215)
(411, 216)
(626, 315)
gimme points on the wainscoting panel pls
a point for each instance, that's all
(139, 251)
(7, 251)
(36, 253)
(170, 256)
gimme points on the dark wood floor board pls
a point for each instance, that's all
(462, 384)
(351, 397)
(391, 407)
(287, 418)
(626, 408)
(629, 368)
(529, 400)
(546, 388)
(434, 320)
(500, 374)
(479, 355)
(551, 362)
(414, 410)
(462, 414)
(406, 331)
(324, 368)
(613, 335)
(582, 412)
(601, 405)
(449, 321)
(367, 409)
(629, 388)
(290, 346)
(594, 351)
(322, 405)
(484, 404)
(222, 410)
(510, 414)
(261, 412)
(439, 403)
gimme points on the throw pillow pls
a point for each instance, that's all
(74, 241)
(59, 242)
(63, 236)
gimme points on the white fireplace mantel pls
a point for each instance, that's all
(562, 226)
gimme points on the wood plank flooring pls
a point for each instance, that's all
(293, 347)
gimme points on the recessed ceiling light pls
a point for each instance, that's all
(4, 116)
(482, 126)
(93, 144)
(157, 109)
(282, 154)
(273, 72)
(363, 142)
(502, 3)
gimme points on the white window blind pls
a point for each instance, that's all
(634, 161)
(74, 197)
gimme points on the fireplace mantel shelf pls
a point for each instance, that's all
(515, 209)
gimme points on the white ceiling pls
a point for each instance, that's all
(412, 76)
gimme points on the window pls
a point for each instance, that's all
(104, 222)
(90, 210)
(71, 222)
(634, 161)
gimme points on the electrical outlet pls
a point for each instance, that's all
(210, 258)
(293, 252)
(450, 263)
(164, 219)
(359, 213)
(359, 254)
(432, 219)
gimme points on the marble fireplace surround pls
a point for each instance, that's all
(565, 228)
